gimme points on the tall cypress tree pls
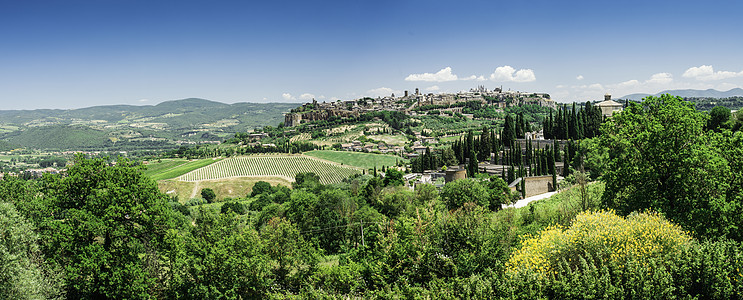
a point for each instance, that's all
(472, 165)
(509, 131)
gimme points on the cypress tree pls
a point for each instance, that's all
(472, 165)
(523, 186)
(511, 176)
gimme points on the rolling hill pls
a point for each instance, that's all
(99, 127)
(689, 93)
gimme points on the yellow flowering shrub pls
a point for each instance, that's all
(604, 235)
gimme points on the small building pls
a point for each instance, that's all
(455, 173)
(420, 149)
(535, 185)
(608, 106)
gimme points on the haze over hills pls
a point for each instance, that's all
(170, 122)
(689, 93)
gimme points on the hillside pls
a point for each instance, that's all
(689, 93)
(126, 127)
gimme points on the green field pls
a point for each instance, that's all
(235, 187)
(285, 166)
(173, 168)
(356, 159)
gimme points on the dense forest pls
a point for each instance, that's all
(661, 221)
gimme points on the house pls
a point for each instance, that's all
(257, 136)
(609, 107)
(420, 149)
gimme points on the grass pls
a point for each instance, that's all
(356, 159)
(237, 187)
(286, 166)
(177, 169)
(154, 168)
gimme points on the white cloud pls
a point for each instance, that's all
(476, 78)
(705, 72)
(625, 84)
(432, 88)
(580, 77)
(440, 76)
(288, 96)
(508, 73)
(382, 91)
(596, 86)
(306, 96)
(660, 78)
(143, 100)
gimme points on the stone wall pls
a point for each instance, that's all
(538, 185)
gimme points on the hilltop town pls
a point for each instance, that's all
(411, 103)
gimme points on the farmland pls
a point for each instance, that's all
(173, 168)
(236, 187)
(286, 166)
(355, 159)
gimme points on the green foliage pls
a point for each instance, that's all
(218, 258)
(599, 257)
(261, 187)
(661, 157)
(719, 118)
(208, 195)
(23, 272)
(104, 225)
(603, 235)
(499, 193)
(285, 246)
(393, 177)
(235, 207)
(458, 192)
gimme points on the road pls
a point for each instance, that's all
(525, 202)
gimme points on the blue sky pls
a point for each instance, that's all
(70, 54)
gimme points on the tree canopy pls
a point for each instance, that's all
(661, 158)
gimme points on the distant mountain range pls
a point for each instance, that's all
(99, 127)
(709, 93)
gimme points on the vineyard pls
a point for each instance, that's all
(274, 165)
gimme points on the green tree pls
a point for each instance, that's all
(661, 157)
(105, 226)
(286, 247)
(499, 193)
(508, 135)
(393, 177)
(261, 187)
(219, 259)
(208, 195)
(458, 192)
(719, 118)
(23, 271)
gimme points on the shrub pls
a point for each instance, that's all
(236, 207)
(457, 193)
(208, 195)
(602, 235)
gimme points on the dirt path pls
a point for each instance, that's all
(195, 189)
(525, 202)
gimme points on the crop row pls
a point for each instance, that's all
(286, 166)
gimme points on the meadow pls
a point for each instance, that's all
(172, 168)
(285, 166)
(356, 159)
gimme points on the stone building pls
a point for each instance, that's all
(608, 106)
